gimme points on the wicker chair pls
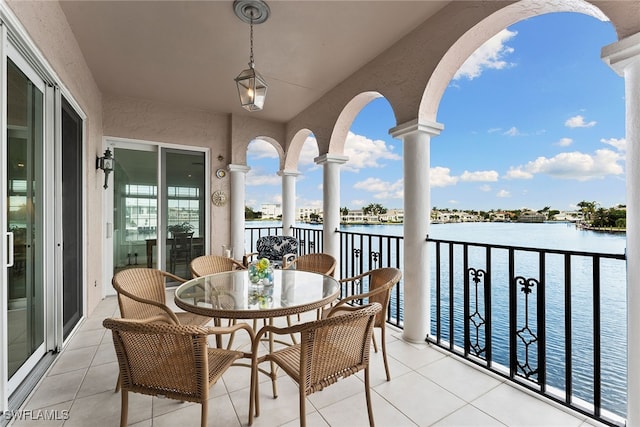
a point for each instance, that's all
(161, 359)
(211, 264)
(381, 282)
(277, 249)
(317, 263)
(141, 294)
(329, 349)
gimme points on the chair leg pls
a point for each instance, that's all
(303, 410)
(384, 352)
(367, 392)
(204, 412)
(254, 401)
(373, 339)
(124, 407)
(117, 384)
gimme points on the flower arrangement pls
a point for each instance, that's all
(261, 272)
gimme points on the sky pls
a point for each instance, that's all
(533, 119)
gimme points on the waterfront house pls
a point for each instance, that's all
(146, 88)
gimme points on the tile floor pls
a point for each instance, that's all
(428, 388)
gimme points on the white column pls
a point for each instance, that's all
(288, 200)
(624, 58)
(331, 204)
(237, 175)
(417, 206)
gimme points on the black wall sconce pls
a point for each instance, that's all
(106, 164)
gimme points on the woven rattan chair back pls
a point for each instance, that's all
(167, 360)
(379, 284)
(142, 295)
(211, 264)
(318, 263)
(331, 348)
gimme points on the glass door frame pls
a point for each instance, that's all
(108, 201)
(46, 225)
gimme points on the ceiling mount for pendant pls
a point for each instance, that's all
(248, 9)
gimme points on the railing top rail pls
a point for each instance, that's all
(529, 249)
(360, 233)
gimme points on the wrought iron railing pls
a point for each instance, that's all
(513, 310)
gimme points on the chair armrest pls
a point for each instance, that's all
(354, 278)
(246, 258)
(173, 276)
(167, 311)
(345, 300)
(286, 260)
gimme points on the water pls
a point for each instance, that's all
(562, 236)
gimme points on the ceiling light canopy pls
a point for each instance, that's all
(252, 88)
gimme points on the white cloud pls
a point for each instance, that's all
(619, 143)
(512, 132)
(257, 177)
(453, 202)
(359, 203)
(486, 188)
(260, 149)
(366, 153)
(440, 177)
(503, 194)
(309, 151)
(479, 176)
(491, 55)
(572, 165)
(518, 173)
(494, 130)
(564, 142)
(382, 189)
(578, 122)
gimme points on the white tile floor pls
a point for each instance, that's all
(428, 388)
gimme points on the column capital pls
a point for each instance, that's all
(238, 168)
(622, 53)
(288, 173)
(331, 158)
(431, 128)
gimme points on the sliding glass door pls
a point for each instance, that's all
(157, 192)
(25, 276)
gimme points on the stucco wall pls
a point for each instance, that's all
(47, 27)
(132, 118)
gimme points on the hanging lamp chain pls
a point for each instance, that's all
(251, 63)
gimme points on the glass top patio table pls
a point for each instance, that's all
(231, 295)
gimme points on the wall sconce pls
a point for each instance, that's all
(106, 164)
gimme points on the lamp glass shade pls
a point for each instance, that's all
(252, 89)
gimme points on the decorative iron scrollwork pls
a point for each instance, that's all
(476, 318)
(526, 336)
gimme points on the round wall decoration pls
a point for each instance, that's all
(219, 198)
(221, 173)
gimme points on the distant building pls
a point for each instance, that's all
(570, 216)
(304, 214)
(531, 216)
(271, 210)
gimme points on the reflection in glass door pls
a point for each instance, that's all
(25, 303)
(152, 207)
(184, 207)
(135, 208)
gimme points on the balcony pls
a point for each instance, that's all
(467, 372)
(429, 386)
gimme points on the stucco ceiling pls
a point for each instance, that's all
(187, 53)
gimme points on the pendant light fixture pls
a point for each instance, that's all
(251, 86)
